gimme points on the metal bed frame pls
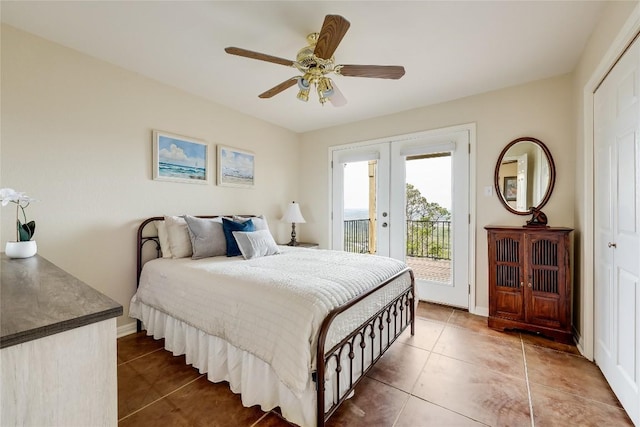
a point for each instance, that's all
(393, 319)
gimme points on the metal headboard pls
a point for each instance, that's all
(147, 233)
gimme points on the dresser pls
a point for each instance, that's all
(530, 280)
(58, 357)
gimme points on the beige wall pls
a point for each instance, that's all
(76, 135)
(609, 27)
(540, 109)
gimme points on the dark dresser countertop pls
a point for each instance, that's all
(38, 299)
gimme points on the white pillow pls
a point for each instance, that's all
(163, 236)
(207, 237)
(179, 240)
(259, 222)
(255, 244)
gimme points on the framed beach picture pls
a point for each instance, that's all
(236, 168)
(180, 158)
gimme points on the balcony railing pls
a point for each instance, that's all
(425, 239)
(356, 236)
(429, 239)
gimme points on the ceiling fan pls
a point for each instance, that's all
(315, 61)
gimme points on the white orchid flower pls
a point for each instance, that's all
(9, 195)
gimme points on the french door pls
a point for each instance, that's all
(360, 199)
(617, 229)
(408, 198)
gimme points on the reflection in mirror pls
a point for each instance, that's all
(524, 175)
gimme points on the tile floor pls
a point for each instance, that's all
(453, 372)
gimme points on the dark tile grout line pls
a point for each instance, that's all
(265, 414)
(559, 389)
(141, 356)
(260, 419)
(526, 374)
(404, 405)
(160, 398)
(411, 394)
(526, 379)
(528, 382)
(526, 368)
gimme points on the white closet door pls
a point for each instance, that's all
(617, 230)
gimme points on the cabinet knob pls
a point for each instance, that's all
(612, 245)
(529, 284)
(521, 284)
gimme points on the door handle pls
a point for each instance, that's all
(612, 245)
(384, 224)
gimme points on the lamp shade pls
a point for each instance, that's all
(293, 214)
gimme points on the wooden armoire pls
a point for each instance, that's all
(530, 280)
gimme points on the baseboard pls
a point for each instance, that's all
(480, 311)
(128, 329)
(579, 342)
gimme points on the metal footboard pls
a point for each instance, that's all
(369, 337)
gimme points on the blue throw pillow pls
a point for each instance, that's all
(229, 227)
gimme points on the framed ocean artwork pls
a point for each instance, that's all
(180, 158)
(236, 168)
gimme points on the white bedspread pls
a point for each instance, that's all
(272, 306)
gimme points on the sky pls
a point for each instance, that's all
(181, 152)
(431, 176)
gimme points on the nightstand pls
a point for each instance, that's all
(306, 245)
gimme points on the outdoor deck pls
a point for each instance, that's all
(430, 269)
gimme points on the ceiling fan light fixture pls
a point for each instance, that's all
(304, 83)
(303, 95)
(325, 87)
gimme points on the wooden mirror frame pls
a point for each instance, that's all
(552, 176)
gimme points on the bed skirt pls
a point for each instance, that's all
(247, 375)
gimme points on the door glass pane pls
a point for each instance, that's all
(360, 183)
(428, 217)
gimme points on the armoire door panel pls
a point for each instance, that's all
(545, 310)
(509, 304)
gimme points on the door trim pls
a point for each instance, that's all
(625, 37)
(471, 129)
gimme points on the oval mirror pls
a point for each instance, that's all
(524, 175)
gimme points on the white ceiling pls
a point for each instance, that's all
(449, 49)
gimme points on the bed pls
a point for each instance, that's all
(296, 330)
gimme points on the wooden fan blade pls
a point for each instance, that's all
(257, 55)
(373, 71)
(333, 30)
(279, 88)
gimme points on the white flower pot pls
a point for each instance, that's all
(21, 249)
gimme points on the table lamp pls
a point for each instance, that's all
(293, 215)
